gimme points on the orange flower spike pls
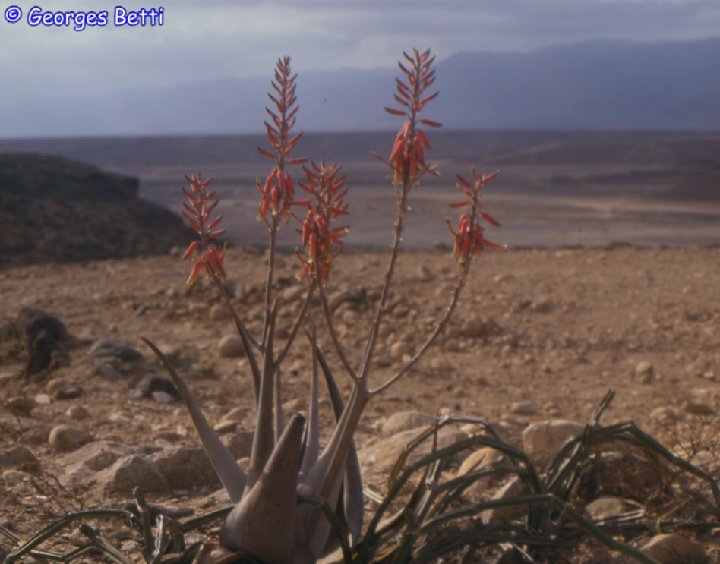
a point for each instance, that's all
(278, 190)
(470, 234)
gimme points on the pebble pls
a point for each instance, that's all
(162, 397)
(698, 408)
(545, 438)
(77, 413)
(644, 372)
(107, 349)
(65, 438)
(20, 457)
(150, 385)
(107, 372)
(218, 312)
(522, 408)
(21, 406)
(231, 346)
(42, 399)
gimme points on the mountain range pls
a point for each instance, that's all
(599, 85)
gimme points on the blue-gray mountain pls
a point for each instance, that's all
(597, 85)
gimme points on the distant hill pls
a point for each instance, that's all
(56, 209)
(590, 86)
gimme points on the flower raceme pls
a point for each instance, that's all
(321, 241)
(469, 233)
(278, 189)
(198, 212)
(407, 158)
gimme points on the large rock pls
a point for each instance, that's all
(512, 489)
(542, 440)
(381, 456)
(404, 421)
(482, 459)
(674, 549)
(64, 438)
(81, 465)
(133, 471)
(185, 467)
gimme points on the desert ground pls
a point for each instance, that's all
(539, 334)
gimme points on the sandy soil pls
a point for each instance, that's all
(557, 329)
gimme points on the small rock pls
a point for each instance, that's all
(22, 407)
(541, 306)
(65, 438)
(663, 415)
(522, 408)
(644, 372)
(698, 408)
(62, 389)
(42, 399)
(296, 368)
(513, 488)
(20, 457)
(485, 458)
(543, 439)
(400, 349)
(118, 417)
(36, 435)
(425, 274)
(77, 413)
(108, 350)
(609, 506)
(674, 549)
(479, 328)
(162, 397)
(151, 384)
(404, 421)
(218, 312)
(107, 372)
(240, 444)
(231, 346)
(224, 427)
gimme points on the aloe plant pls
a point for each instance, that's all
(286, 459)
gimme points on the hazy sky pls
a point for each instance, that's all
(226, 38)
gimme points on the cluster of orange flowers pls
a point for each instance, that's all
(469, 233)
(278, 190)
(198, 212)
(408, 153)
(321, 241)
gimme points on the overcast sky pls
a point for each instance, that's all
(233, 38)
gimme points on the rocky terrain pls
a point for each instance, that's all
(56, 209)
(540, 335)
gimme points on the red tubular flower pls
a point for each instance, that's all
(278, 189)
(469, 233)
(407, 158)
(321, 241)
(198, 212)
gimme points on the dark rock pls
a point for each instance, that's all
(151, 384)
(46, 339)
(109, 350)
(20, 457)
